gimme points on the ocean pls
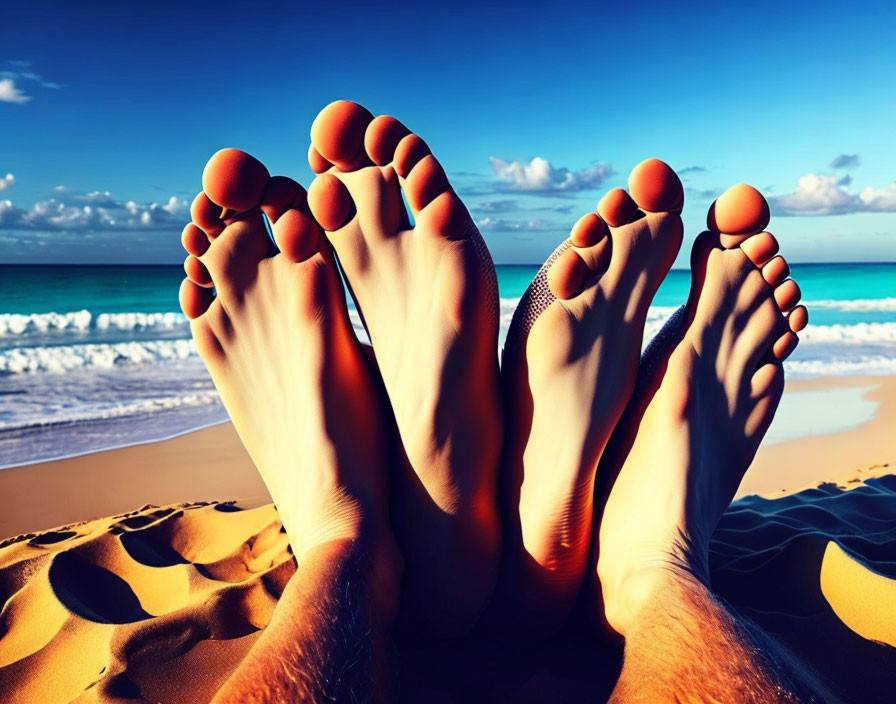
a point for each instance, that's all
(99, 357)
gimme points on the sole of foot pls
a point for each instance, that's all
(569, 367)
(427, 294)
(270, 321)
(708, 387)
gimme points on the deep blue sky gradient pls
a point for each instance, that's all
(765, 93)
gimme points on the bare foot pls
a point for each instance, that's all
(570, 364)
(428, 298)
(707, 391)
(278, 343)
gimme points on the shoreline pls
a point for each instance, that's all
(211, 464)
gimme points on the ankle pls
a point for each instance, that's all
(640, 588)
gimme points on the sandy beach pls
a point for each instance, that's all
(187, 587)
(212, 464)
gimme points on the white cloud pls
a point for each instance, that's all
(879, 200)
(540, 176)
(488, 224)
(819, 194)
(10, 94)
(96, 211)
(7, 181)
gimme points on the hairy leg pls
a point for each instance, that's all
(686, 645)
(277, 341)
(328, 640)
(707, 390)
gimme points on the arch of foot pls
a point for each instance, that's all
(740, 216)
(653, 187)
(346, 137)
(236, 185)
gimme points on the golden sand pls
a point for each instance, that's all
(161, 604)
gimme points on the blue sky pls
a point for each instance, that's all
(108, 113)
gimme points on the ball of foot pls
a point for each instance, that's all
(741, 210)
(235, 180)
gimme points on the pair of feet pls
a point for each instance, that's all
(668, 444)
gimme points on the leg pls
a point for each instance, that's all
(707, 392)
(429, 300)
(328, 640)
(570, 364)
(277, 341)
(686, 645)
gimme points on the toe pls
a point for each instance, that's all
(281, 194)
(330, 202)
(655, 187)
(337, 133)
(617, 208)
(798, 318)
(297, 235)
(446, 216)
(317, 163)
(737, 213)
(206, 215)
(766, 388)
(409, 152)
(759, 248)
(567, 274)
(194, 300)
(775, 271)
(196, 272)
(787, 294)
(588, 231)
(785, 345)
(234, 180)
(425, 182)
(382, 138)
(194, 240)
(233, 258)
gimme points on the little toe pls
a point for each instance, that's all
(798, 318)
(337, 134)
(766, 388)
(196, 272)
(655, 187)
(194, 240)
(234, 180)
(787, 294)
(297, 235)
(617, 208)
(775, 271)
(759, 248)
(330, 202)
(739, 212)
(194, 300)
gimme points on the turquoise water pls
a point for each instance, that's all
(96, 357)
(103, 289)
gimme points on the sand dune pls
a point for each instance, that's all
(161, 604)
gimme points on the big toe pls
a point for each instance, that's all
(337, 135)
(234, 180)
(738, 213)
(655, 187)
